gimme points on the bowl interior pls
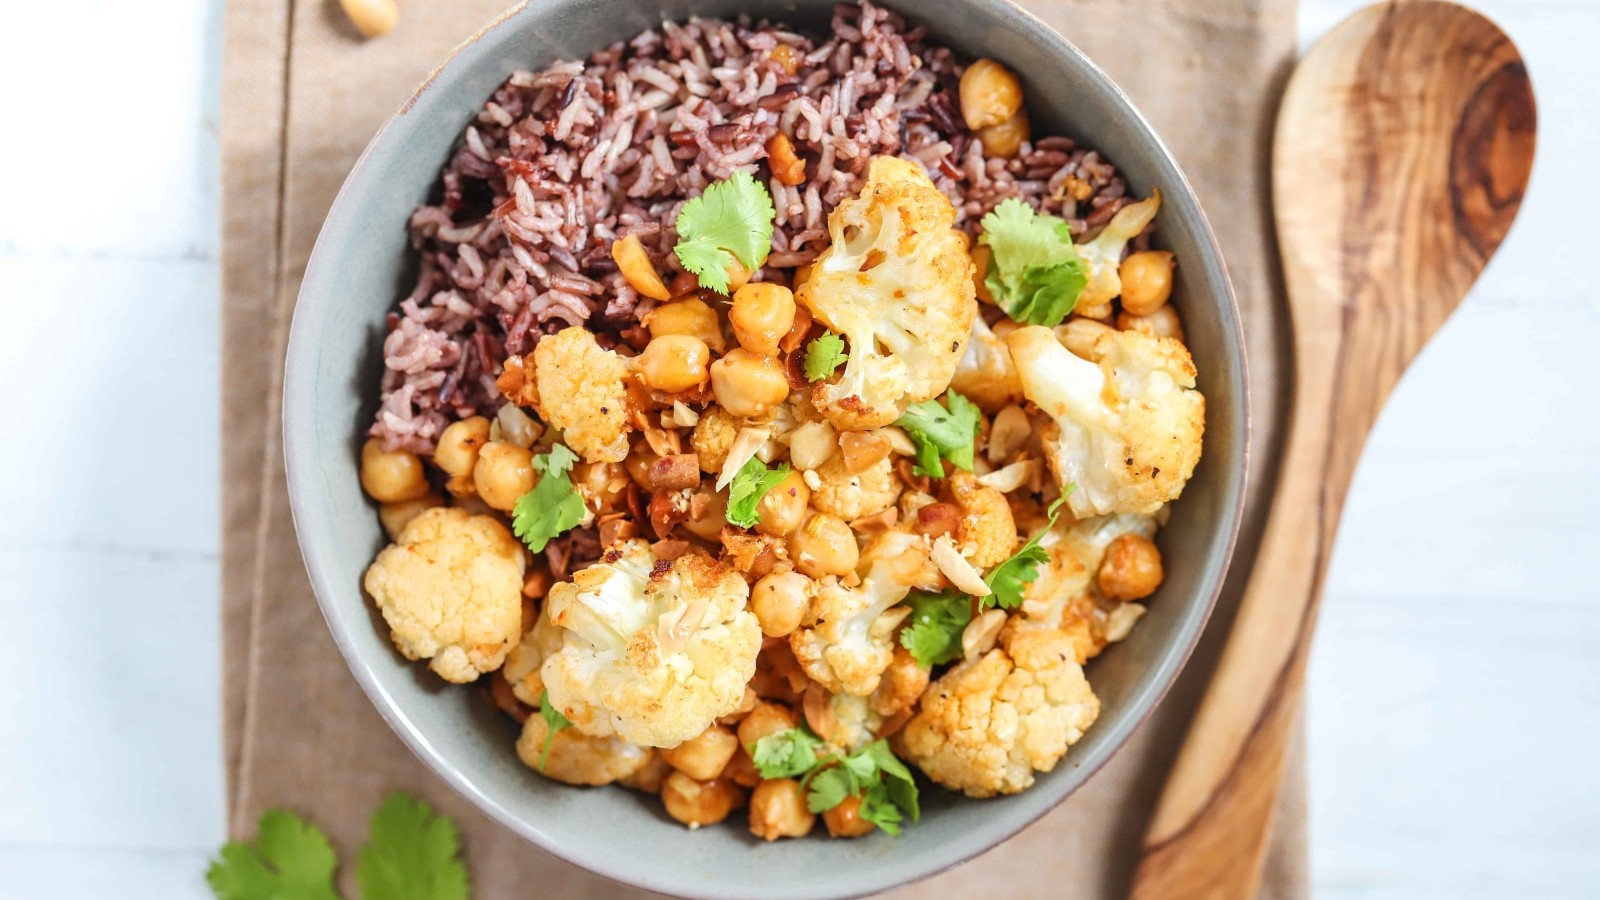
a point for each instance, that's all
(361, 264)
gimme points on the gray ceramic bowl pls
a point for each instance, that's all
(358, 269)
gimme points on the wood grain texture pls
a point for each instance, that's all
(1402, 150)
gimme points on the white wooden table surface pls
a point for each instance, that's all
(1455, 690)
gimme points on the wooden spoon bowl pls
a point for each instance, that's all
(1402, 150)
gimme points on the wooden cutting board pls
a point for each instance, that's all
(303, 94)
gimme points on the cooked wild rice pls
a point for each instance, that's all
(561, 162)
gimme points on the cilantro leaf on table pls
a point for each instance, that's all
(749, 485)
(932, 632)
(1035, 272)
(554, 506)
(731, 220)
(413, 854)
(554, 722)
(1008, 580)
(824, 355)
(786, 754)
(941, 431)
(290, 859)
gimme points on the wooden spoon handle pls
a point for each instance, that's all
(1400, 154)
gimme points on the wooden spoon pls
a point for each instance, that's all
(1402, 150)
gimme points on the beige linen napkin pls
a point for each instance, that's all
(302, 94)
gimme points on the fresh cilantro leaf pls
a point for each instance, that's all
(786, 754)
(874, 773)
(731, 220)
(823, 356)
(554, 722)
(1008, 580)
(933, 631)
(413, 854)
(751, 483)
(1035, 272)
(829, 787)
(941, 431)
(291, 859)
(553, 507)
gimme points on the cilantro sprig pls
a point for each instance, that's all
(730, 221)
(941, 431)
(887, 791)
(1008, 580)
(932, 632)
(749, 485)
(554, 722)
(412, 853)
(824, 355)
(554, 506)
(1035, 272)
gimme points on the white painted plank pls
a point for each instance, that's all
(93, 873)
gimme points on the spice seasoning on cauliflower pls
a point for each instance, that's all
(988, 725)
(654, 652)
(1127, 421)
(843, 643)
(451, 591)
(1065, 597)
(852, 496)
(897, 283)
(582, 390)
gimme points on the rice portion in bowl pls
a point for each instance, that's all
(561, 162)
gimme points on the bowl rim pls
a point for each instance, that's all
(299, 458)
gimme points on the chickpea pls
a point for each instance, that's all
(779, 602)
(844, 820)
(389, 476)
(762, 313)
(742, 770)
(638, 463)
(738, 275)
(1005, 140)
(990, 94)
(690, 316)
(503, 474)
(373, 18)
(1080, 335)
(697, 803)
(748, 385)
(603, 484)
(702, 757)
(778, 809)
(786, 166)
(457, 451)
(674, 362)
(1163, 322)
(637, 269)
(981, 255)
(1131, 569)
(1146, 281)
(708, 516)
(781, 509)
(765, 719)
(824, 545)
(396, 516)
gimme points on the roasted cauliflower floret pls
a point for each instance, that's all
(1064, 597)
(451, 590)
(577, 758)
(855, 722)
(842, 642)
(1127, 421)
(1102, 257)
(897, 283)
(851, 497)
(713, 438)
(653, 653)
(902, 683)
(582, 390)
(986, 533)
(525, 660)
(989, 724)
(986, 375)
